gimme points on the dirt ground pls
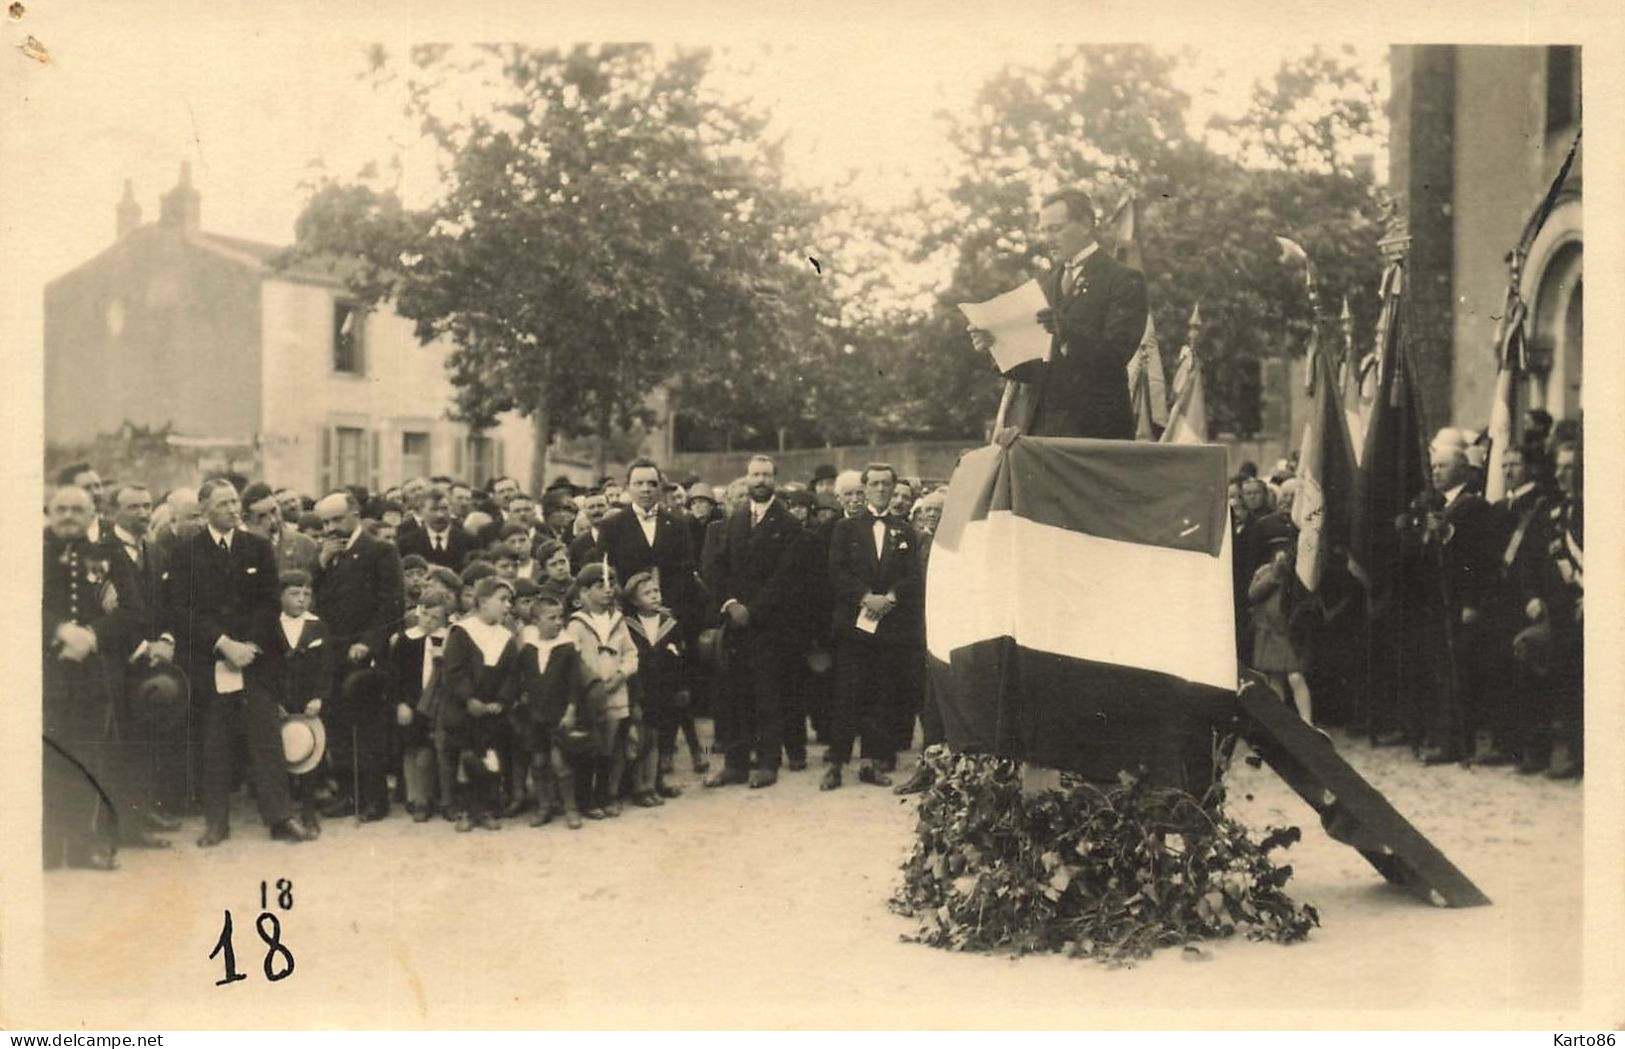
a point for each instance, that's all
(741, 908)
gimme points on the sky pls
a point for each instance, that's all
(261, 105)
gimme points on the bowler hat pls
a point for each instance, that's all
(304, 741)
(161, 692)
(712, 646)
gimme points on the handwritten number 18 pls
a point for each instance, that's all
(270, 930)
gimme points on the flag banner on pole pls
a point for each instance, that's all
(1187, 419)
(1503, 421)
(1326, 476)
(1393, 468)
(1061, 572)
(1147, 383)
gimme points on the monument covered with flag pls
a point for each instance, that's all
(1078, 609)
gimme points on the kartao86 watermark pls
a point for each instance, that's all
(1587, 1040)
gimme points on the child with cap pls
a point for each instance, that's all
(482, 680)
(551, 693)
(609, 660)
(419, 687)
(660, 677)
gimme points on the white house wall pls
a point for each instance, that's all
(404, 388)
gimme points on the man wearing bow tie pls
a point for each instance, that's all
(874, 577)
(220, 599)
(439, 540)
(1096, 317)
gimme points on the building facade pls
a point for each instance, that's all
(274, 372)
(1478, 134)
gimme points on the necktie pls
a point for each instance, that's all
(440, 544)
(1069, 278)
(225, 545)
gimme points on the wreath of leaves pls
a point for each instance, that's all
(1106, 873)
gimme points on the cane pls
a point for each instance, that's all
(355, 770)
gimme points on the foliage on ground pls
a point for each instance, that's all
(1108, 873)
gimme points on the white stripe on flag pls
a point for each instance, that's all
(1071, 594)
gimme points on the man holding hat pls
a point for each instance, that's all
(220, 596)
(359, 594)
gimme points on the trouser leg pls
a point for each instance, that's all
(262, 724)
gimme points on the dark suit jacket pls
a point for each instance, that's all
(1472, 557)
(148, 579)
(417, 541)
(584, 548)
(360, 596)
(209, 594)
(304, 672)
(1082, 391)
(854, 571)
(758, 568)
(621, 540)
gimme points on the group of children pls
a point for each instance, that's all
(567, 694)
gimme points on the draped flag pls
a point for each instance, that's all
(1326, 475)
(1053, 558)
(1147, 385)
(1393, 467)
(1187, 419)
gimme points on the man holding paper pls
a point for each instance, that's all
(1092, 316)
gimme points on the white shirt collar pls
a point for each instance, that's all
(1077, 260)
(1451, 494)
(218, 536)
(125, 537)
(1522, 490)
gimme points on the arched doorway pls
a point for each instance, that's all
(1554, 289)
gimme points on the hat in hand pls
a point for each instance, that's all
(304, 741)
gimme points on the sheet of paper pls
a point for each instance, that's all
(227, 678)
(1012, 318)
(866, 622)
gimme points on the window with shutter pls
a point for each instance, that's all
(325, 474)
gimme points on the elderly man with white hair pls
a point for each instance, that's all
(1458, 536)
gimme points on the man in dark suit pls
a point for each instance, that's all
(441, 541)
(587, 546)
(360, 596)
(1459, 539)
(91, 607)
(1096, 317)
(755, 581)
(220, 598)
(876, 619)
(152, 735)
(648, 536)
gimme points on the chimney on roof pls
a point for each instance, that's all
(128, 212)
(181, 206)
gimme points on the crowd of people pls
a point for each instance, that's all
(476, 654)
(1477, 655)
(467, 654)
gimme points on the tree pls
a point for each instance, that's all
(606, 226)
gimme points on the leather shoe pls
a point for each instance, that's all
(796, 764)
(763, 778)
(870, 774)
(160, 822)
(213, 836)
(666, 790)
(916, 783)
(727, 778)
(1495, 759)
(339, 809)
(144, 840)
(291, 831)
(373, 815)
(832, 778)
(1442, 757)
(422, 814)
